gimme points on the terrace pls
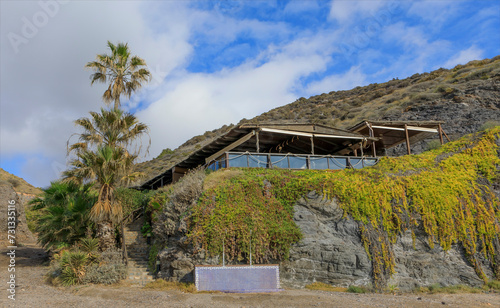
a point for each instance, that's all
(299, 146)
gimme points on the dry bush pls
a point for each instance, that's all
(215, 178)
(163, 285)
(325, 287)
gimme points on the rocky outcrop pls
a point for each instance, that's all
(331, 251)
(9, 196)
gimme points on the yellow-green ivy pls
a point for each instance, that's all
(446, 191)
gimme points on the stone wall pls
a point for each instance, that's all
(332, 252)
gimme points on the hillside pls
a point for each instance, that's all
(19, 184)
(466, 97)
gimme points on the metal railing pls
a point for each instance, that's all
(290, 161)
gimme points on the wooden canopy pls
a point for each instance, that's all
(311, 139)
(269, 138)
(393, 133)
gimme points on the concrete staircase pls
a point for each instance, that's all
(138, 254)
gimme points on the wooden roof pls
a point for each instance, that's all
(272, 138)
(296, 139)
(392, 133)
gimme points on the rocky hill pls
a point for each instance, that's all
(466, 97)
(20, 185)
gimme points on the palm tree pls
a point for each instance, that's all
(114, 128)
(65, 209)
(102, 158)
(125, 73)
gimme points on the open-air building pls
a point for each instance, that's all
(300, 146)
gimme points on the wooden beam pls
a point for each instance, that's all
(407, 127)
(440, 134)
(257, 142)
(446, 136)
(230, 147)
(279, 131)
(312, 145)
(407, 140)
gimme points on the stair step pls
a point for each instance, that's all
(138, 254)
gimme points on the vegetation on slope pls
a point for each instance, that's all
(447, 192)
(389, 100)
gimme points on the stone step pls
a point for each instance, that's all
(138, 254)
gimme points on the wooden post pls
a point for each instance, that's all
(124, 246)
(312, 146)
(440, 134)
(374, 151)
(407, 139)
(257, 141)
(356, 152)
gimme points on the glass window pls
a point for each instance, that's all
(297, 162)
(370, 162)
(318, 163)
(356, 162)
(279, 161)
(338, 163)
(212, 166)
(238, 160)
(257, 161)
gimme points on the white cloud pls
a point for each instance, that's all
(464, 56)
(345, 11)
(435, 13)
(195, 103)
(352, 78)
(44, 86)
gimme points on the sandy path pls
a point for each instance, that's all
(32, 291)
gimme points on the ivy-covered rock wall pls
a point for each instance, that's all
(445, 200)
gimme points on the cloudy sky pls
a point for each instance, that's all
(213, 62)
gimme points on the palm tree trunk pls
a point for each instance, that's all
(106, 235)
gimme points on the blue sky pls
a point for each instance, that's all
(213, 62)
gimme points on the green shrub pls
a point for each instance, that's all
(109, 270)
(489, 125)
(433, 145)
(63, 214)
(15, 182)
(356, 289)
(153, 254)
(493, 284)
(73, 265)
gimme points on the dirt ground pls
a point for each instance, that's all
(32, 291)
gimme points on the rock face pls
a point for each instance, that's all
(7, 193)
(332, 252)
